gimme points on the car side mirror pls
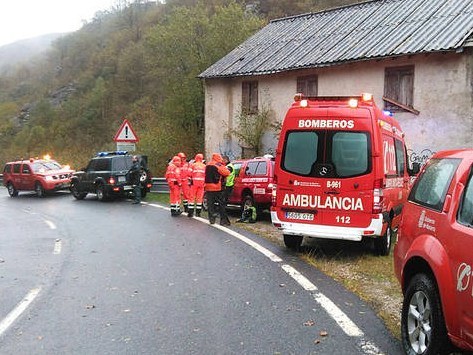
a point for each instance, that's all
(415, 169)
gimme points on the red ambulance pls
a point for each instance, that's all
(341, 172)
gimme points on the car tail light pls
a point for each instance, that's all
(111, 180)
(273, 191)
(378, 196)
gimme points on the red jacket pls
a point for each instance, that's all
(215, 173)
(198, 171)
(173, 172)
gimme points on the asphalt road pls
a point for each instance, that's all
(87, 277)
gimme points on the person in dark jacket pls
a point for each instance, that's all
(135, 174)
(215, 174)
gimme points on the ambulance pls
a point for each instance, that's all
(341, 172)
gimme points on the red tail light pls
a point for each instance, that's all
(111, 180)
(273, 192)
(378, 196)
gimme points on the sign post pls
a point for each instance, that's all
(126, 137)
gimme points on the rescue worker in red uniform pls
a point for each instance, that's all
(173, 178)
(185, 177)
(215, 174)
(197, 173)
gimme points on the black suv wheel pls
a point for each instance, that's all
(78, 195)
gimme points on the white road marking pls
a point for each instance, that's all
(50, 224)
(57, 247)
(261, 249)
(344, 322)
(18, 310)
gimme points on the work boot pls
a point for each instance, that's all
(190, 213)
(225, 222)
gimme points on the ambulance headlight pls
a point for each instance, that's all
(353, 103)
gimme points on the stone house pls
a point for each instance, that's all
(414, 56)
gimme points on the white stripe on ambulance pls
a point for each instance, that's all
(326, 123)
(331, 202)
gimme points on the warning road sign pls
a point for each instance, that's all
(126, 133)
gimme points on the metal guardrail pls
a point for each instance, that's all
(159, 185)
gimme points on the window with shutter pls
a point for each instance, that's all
(399, 87)
(307, 85)
(249, 97)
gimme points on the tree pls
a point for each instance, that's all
(204, 34)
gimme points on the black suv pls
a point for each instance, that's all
(107, 176)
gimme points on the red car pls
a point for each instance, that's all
(39, 175)
(433, 256)
(253, 182)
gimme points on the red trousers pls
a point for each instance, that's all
(174, 194)
(197, 194)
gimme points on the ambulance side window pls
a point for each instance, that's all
(300, 152)
(465, 212)
(432, 186)
(400, 162)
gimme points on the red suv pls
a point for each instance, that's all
(253, 182)
(433, 256)
(39, 175)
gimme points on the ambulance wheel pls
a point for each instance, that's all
(382, 245)
(293, 242)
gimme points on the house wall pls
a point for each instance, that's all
(442, 93)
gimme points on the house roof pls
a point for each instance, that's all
(364, 31)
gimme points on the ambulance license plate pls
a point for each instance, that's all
(300, 216)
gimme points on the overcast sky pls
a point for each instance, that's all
(21, 19)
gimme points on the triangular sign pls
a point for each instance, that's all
(126, 133)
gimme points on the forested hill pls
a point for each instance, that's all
(139, 60)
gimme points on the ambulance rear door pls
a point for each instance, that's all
(326, 170)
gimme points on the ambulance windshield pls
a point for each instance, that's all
(328, 154)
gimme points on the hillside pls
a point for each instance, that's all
(139, 62)
(23, 50)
